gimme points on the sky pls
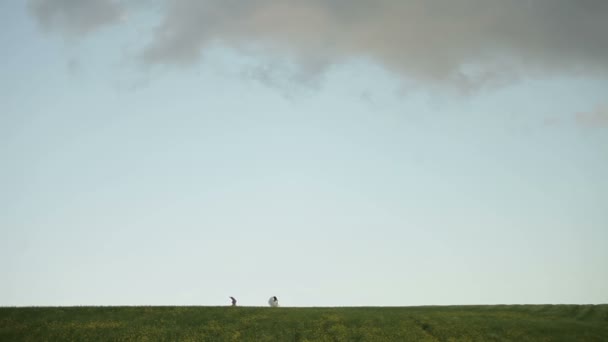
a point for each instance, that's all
(327, 152)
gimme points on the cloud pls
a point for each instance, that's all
(75, 17)
(595, 118)
(74, 66)
(464, 41)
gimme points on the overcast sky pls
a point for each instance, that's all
(327, 152)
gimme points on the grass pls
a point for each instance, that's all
(197, 323)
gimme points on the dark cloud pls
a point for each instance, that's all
(466, 41)
(75, 17)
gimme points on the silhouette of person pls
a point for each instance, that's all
(233, 301)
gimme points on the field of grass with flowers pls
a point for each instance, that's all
(200, 323)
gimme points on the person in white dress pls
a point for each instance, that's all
(273, 302)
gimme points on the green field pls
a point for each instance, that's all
(199, 323)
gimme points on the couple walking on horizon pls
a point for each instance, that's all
(272, 301)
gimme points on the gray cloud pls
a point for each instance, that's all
(466, 41)
(75, 17)
(74, 66)
(595, 118)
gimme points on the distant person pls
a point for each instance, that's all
(273, 302)
(233, 301)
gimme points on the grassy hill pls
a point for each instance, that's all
(438, 323)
